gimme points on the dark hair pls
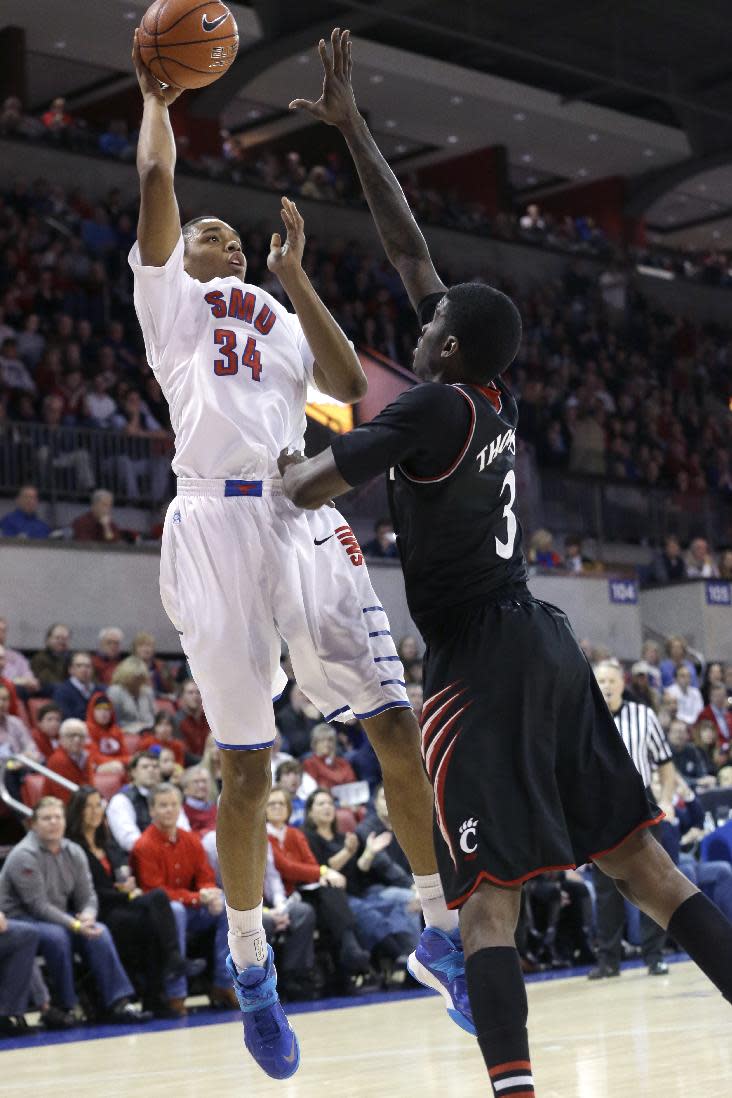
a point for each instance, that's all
(289, 766)
(162, 715)
(75, 818)
(49, 707)
(141, 755)
(487, 325)
(189, 229)
(309, 805)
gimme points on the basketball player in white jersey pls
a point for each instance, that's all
(242, 566)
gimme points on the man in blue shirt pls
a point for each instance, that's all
(24, 522)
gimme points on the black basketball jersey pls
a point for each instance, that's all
(450, 451)
(458, 534)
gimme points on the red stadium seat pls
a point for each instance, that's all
(31, 790)
(345, 819)
(131, 741)
(108, 784)
(165, 705)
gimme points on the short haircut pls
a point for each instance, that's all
(487, 326)
(289, 766)
(73, 725)
(141, 755)
(111, 631)
(46, 802)
(610, 665)
(189, 229)
(50, 707)
(322, 731)
(162, 789)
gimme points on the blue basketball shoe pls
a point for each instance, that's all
(267, 1033)
(439, 964)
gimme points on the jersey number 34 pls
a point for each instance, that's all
(228, 365)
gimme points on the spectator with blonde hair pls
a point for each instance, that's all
(211, 760)
(541, 550)
(143, 646)
(108, 655)
(132, 695)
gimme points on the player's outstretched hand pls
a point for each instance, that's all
(286, 259)
(150, 86)
(337, 104)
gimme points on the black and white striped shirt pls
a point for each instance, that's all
(644, 738)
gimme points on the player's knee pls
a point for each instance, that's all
(246, 777)
(395, 737)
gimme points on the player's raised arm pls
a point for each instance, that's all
(402, 239)
(337, 369)
(158, 226)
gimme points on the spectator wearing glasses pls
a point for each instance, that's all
(70, 760)
(320, 886)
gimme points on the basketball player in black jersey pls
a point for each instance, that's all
(528, 770)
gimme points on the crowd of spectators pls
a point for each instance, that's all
(630, 394)
(138, 774)
(332, 178)
(127, 731)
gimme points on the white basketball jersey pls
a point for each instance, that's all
(233, 364)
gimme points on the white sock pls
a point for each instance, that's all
(434, 908)
(247, 940)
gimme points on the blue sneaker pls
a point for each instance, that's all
(267, 1033)
(438, 963)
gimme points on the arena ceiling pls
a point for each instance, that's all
(575, 90)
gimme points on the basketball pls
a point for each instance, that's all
(186, 43)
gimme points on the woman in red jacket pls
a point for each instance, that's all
(324, 765)
(318, 885)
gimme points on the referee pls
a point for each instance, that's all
(648, 748)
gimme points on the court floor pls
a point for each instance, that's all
(638, 1035)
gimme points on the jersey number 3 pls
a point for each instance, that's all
(229, 364)
(505, 548)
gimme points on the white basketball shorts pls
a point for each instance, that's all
(242, 566)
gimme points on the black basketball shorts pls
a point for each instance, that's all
(529, 770)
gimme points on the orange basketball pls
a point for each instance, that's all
(186, 43)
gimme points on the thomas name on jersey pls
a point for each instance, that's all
(490, 453)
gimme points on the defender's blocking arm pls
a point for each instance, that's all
(402, 238)
(158, 226)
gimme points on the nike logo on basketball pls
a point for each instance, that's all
(321, 541)
(212, 24)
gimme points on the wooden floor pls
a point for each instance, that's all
(637, 1036)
